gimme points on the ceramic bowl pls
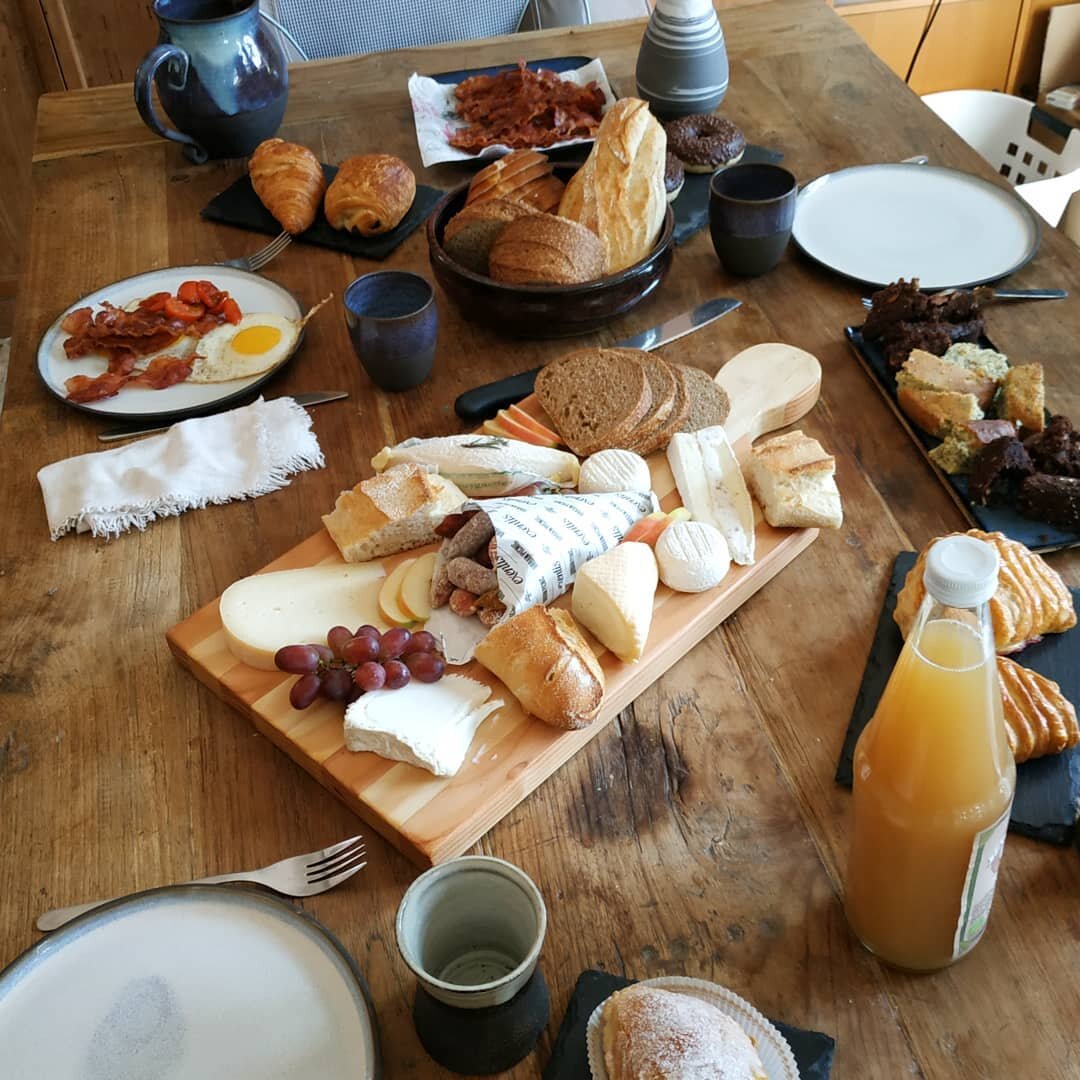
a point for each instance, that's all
(544, 311)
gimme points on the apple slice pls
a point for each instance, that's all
(389, 607)
(491, 427)
(415, 596)
(517, 430)
(551, 438)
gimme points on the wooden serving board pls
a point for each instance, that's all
(431, 819)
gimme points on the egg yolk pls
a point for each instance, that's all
(255, 340)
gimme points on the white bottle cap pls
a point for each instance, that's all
(961, 571)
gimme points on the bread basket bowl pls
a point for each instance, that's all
(544, 311)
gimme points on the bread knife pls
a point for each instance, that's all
(313, 397)
(484, 401)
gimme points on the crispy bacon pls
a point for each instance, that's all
(162, 372)
(84, 388)
(522, 108)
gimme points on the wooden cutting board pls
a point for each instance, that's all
(431, 819)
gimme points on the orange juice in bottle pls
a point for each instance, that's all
(934, 777)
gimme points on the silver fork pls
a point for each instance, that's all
(301, 875)
(985, 295)
(258, 259)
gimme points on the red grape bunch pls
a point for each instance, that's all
(349, 664)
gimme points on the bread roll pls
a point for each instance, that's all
(545, 662)
(547, 250)
(619, 192)
(522, 176)
(370, 194)
(289, 181)
(469, 234)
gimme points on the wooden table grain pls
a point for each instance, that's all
(701, 833)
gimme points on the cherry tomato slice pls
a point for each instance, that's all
(189, 292)
(231, 310)
(211, 296)
(155, 302)
(178, 309)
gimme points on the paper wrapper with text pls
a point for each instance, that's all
(542, 541)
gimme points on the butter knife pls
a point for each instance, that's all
(313, 397)
(484, 401)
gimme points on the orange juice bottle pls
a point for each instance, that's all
(934, 777)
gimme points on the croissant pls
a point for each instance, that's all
(289, 181)
(370, 194)
(1039, 719)
(1031, 599)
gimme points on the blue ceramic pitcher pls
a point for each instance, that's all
(221, 76)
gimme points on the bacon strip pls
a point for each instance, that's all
(162, 372)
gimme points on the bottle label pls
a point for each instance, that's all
(979, 884)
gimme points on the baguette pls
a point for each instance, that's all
(793, 479)
(546, 663)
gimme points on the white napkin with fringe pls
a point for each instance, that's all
(213, 459)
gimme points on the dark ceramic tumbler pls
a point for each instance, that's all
(393, 322)
(751, 211)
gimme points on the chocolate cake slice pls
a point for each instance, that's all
(1053, 499)
(999, 469)
(1056, 449)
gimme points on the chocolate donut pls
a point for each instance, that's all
(705, 142)
(674, 176)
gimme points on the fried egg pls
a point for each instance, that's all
(255, 344)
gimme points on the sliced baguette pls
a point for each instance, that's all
(934, 410)
(792, 477)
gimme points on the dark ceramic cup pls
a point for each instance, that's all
(393, 322)
(751, 210)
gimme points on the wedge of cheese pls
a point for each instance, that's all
(262, 613)
(712, 487)
(613, 598)
(614, 470)
(430, 725)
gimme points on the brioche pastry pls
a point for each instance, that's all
(1031, 599)
(1039, 719)
(289, 181)
(370, 195)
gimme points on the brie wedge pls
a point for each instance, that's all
(692, 556)
(613, 598)
(712, 487)
(614, 470)
(430, 725)
(260, 614)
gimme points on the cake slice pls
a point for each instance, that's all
(1053, 499)
(924, 371)
(988, 362)
(965, 441)
(934, 410)
(1023, 396)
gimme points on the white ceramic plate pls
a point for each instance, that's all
(252, 292)
(771, 1046)
(190, 983)
(879, 223)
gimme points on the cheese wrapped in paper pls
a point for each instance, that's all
(483, 466)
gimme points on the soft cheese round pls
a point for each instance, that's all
(692, 556)
(614, 470)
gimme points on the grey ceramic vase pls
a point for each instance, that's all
(682, 67)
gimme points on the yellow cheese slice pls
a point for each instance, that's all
(613, 598)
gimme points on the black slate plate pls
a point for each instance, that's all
(1047, 789)
(691, 206)
(239, 205)
(570, 1060)
(1036, 535)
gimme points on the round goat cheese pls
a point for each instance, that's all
(614, 470)
(692, 556)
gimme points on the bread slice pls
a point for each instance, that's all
(662, 387)
(469, 234)
(547, 250)
(676, 420)
(522, 176)
(1023, 396)
(391, 512)
(709, 403)
(595, 398)
(925, 371)
(794, 480)
(934, 410)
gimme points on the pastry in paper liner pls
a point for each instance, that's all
(542, 541)
(771, 1046)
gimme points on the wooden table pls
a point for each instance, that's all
(702, 833)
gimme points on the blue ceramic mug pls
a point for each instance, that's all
(221, 76)
(393, 323)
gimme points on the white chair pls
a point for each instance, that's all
(997, 126)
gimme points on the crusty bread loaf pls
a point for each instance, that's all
(522, 176)
(793, 478)
(1023, 396)
(934, 410)
(709, 403)
(469, 234)
(925, 371)
(545, 249)
(391, 512)
(595, 398)
(545, 662)
(619, 192)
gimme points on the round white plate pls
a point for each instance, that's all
(771, 1046)
(949, 229)
(252, 292)
(193, 982)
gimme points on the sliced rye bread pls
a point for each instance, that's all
(595, 397)
(709, 404)
(680, 410)
(664, 389)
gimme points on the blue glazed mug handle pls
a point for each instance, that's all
(144, 101)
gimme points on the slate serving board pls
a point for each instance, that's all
(1047, 789)
(570, 1060)
(1036, 535)
(239, 205)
